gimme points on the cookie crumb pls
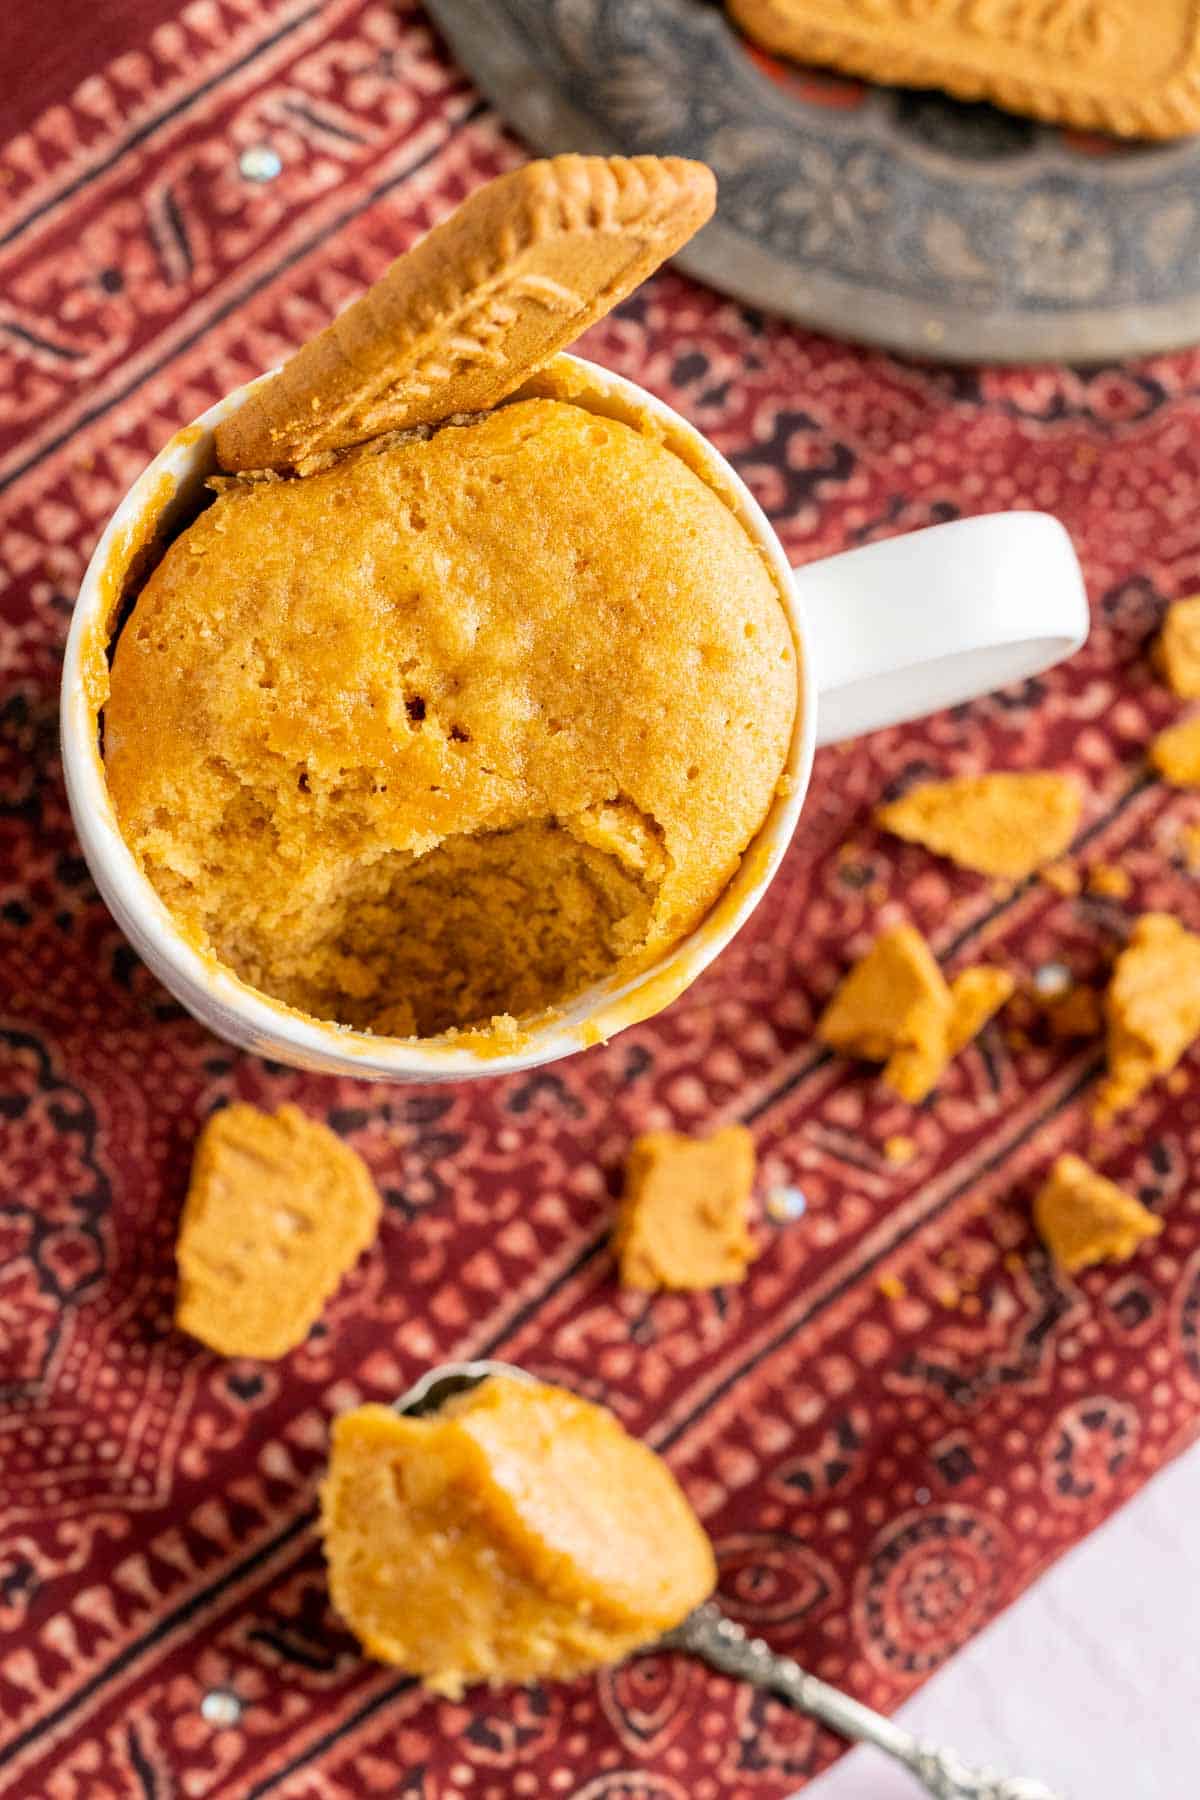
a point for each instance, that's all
(1177, 649)
(1083, 1218)
(895, 1007)
(1175, 753)
(1063, 877)
(1110, 881)
(1153, 1009)
(899, 1149)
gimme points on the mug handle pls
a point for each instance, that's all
(904, 627)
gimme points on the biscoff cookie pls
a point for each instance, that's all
(1099, 64)
(278, 1210)
(522, 267)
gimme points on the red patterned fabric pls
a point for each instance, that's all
(879, 1476)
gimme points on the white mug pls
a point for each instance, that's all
(884, 634)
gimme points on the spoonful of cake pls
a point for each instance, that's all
(490, 1527)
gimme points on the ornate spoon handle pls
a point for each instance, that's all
(723, 1645)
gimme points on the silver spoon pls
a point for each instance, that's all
(721, 1643)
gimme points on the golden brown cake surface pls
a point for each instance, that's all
(896, 1007)
(277, 1211)
(447, 731)
(520, 1534)
(1001, 824)
(684, 1218)
(1152, 1006)
(1083, 1218)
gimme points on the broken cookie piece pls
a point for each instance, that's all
(1152, 1007)
(1083, 1218)
(684, 1220)
(1002, 824)
(277, 1211)
(1175, 753)
(1177, 650)
(895, 1007)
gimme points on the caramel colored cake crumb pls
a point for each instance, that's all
(1177, 651)
(278, 1210)
(454, 728)
(1063, 877)
(1005, 825)
(519, 1535)
(899, 1149)
(1153, 1009)
(895, 1007)
(1175, 753)
(684, 1220)
(1083, 1218)
(1110, 881)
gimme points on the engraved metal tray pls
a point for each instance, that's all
(899, 218)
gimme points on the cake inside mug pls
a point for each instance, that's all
(433, 732)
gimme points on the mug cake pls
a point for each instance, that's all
(429, 732)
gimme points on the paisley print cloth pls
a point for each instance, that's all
(880, 1474)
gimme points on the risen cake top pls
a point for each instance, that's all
(456, 725)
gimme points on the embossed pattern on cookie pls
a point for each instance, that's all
(1100, 64)
(514, 275)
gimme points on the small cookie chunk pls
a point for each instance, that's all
(519, 271)
(1175, 753)
(899, 1149)
(937, 1034)
(1110, 881)
(1126, 69)
(997, 824)
(1177, 650)
(1153, 1009)
(684, 1219)
(895, 1007)
(277, 1211)
(871, 1011)
(1063, 877)
(1083, 1218)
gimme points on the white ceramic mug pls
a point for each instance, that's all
(884, 634)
